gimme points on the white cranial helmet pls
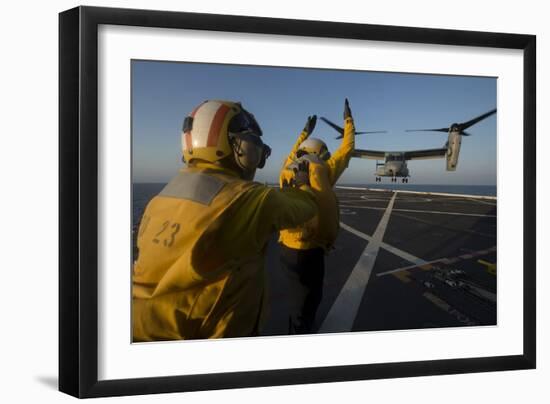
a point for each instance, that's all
(314, 146)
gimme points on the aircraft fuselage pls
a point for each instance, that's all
(394, 166)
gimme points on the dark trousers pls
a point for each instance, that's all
(305, 270)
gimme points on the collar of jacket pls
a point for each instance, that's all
(203, 165)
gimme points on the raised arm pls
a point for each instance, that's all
(289, 207)
(339, 160)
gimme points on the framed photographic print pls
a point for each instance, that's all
(251, 201)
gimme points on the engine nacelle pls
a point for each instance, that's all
(453, 150)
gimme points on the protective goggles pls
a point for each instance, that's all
(244, 122)
(245, 133)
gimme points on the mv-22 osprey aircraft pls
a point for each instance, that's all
(395, 163)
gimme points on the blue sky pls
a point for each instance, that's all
(163, 93)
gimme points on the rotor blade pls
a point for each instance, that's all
(364, 133)
(371, 131)
(341, 130)
(333, 125)
(465, 133)
(471, 122)
(428, 130)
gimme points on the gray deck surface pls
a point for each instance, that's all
(421, 269)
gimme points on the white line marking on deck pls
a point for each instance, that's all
(392, 271)
(483, 202)
(445, 260)
(394, 250)
(341, 315)
(436, 212)
(403, 191)
(402, 199)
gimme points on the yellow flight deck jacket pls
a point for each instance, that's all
(202, 240)
(321, 231)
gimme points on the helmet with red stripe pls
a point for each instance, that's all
(217, 129)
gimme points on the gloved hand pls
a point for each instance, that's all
(347, 110)
(301, 174)
(310, 124)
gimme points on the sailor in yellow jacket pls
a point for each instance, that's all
(202, 240)
(303, 248)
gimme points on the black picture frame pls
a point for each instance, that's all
(78, 201)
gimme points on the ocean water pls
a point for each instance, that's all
(142, 193)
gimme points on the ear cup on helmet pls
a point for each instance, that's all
(245, 137)
(324, 154)
(266, 152)
(249, 150)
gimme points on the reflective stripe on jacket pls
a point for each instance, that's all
(201, 245)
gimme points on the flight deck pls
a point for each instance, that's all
(402, 260)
